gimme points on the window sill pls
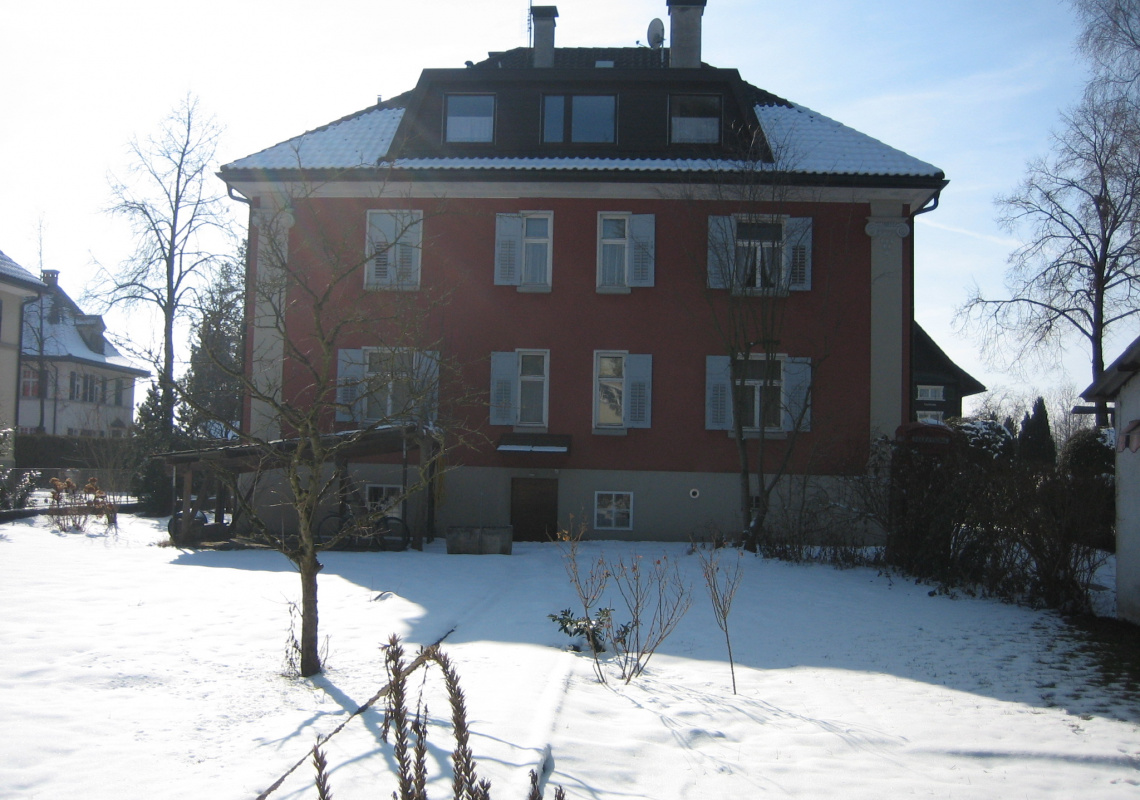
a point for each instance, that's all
(530, 429)
(383, 287)
(751, 292)
(610, 431)
(613, 290)
(755, 434)
(534, 288)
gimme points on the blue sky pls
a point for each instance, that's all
(972, 86)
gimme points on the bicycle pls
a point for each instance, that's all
(350, 530)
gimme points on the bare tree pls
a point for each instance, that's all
(1110, 39)
(172, 207)
(307, 314)
(1077, 273)
(756, 258)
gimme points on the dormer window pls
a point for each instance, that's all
(470, 118)
(694, 119)
(579, 118)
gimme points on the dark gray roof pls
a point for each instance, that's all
(1112, 380)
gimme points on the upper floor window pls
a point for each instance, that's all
(29, 382)
(622, 391)
(579, 118)
(774, 392)
(470, 118)
(760, 255)
(694, 119)
(394, 243)
(930, 392)
(625, 251)
(378, 384)
(523, 250)
(519, 387)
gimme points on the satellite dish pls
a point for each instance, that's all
(656, 34)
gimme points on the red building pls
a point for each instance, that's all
(595, 245)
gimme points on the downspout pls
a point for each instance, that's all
(238, 198)
(931, 205)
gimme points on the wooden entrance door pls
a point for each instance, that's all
(534, 509)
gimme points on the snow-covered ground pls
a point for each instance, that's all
(130, 670)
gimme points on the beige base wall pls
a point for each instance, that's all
(667, 506)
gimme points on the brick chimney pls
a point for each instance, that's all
(543, 19)
(685, 32)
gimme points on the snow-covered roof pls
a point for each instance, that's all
(808, 142)
(804, 141)
(62, 339)
(11, 271)
(359, 140)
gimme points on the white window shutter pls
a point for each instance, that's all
(797, 253)
(395, 239)
(722, 252)
(504, 387)
(639, 391)
(718, 393)
(381, 239)
(508, 249)
(797, 394)
(349, 390)
(642, 238)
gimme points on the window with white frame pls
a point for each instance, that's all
(29, 382)
(762, 380)
(391, 390)
(613, 511)
(382, 383)
(520, 388)
(776, 397)
(622, 390)
(523, 250)
(609, 402)
(760, 254)
(384, 499)
(930, 392)
(532, 388)
(470, 118)
(395, 240)
(626, 245)
(930, 417)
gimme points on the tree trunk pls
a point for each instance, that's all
(310, 650)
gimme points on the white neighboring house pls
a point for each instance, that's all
(73, 381)
(1118, 386)
(17, 287)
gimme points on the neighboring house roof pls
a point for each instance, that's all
(13, 273)
(808, 142)
(67, 334)
(1118, 373)
(930, 360)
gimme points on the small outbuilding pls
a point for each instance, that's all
(1117, 385)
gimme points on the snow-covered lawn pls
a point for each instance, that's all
(134, 671)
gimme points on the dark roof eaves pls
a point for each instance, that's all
(534, 173)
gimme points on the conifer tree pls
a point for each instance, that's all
(1035, 443)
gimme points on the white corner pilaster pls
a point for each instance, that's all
(271, 226)
(888, 323)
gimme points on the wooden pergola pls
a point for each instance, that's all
(220, 466)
